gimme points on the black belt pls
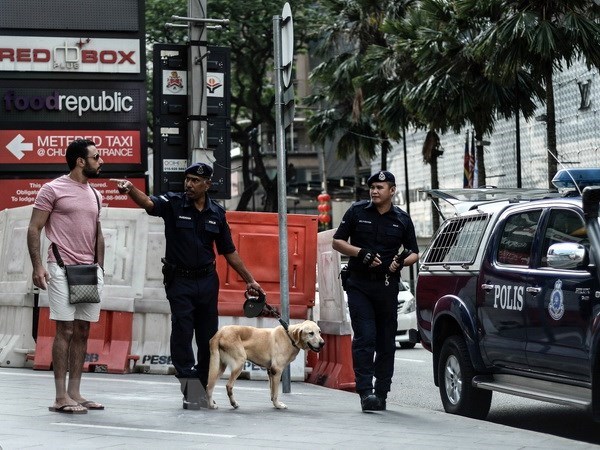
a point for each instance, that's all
(372, 276)
(195, 273)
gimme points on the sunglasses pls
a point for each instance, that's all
(96, 156)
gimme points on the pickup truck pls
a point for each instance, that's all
(508, 296)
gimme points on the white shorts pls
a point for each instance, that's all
(58, 297)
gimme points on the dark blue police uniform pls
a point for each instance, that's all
(193, 290)
(373, 292)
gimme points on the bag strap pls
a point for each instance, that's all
(59, 260)
(97, 222)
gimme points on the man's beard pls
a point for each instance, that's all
(90, 173)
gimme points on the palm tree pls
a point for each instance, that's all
(540, 36)
(451, 87)
(337, 120)
(344, 44)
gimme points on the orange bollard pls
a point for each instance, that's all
(109, 343)
(42, 358)
(334, 369)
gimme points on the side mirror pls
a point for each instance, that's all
(567, 255)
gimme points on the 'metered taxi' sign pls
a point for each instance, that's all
(49, 146)
(69, 54)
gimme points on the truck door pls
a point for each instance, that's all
(560, 305)
(503, 280)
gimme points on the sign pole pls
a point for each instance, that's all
(197, 147)
(281, 192)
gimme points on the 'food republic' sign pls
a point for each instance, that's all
(107, 102)
(69, 54)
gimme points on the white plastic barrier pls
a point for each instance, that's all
(133, 284)
(332, 309)
(16, 298)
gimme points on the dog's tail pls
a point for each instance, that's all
(215, 367)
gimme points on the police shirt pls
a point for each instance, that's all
(191, 234)
(382, 233)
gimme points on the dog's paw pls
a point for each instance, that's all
(235, 405)
(280, 405)
(213, 406)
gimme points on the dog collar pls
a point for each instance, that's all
(285, 326)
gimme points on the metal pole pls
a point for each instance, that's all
(198, 148)
(281, 192)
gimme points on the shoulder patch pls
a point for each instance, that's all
(361, 203)
(217, 204)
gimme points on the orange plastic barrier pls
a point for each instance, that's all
(334, 369)
(109, 343)
(256, 237)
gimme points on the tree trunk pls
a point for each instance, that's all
(357, 187)
(249, 186)
(435, 184)
(480, 159)
(551, 127)
(247, 196)
(385, 149)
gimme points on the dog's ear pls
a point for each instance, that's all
(296, 334)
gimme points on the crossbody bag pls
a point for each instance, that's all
(82, 278)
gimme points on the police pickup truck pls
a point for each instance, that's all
(508, 297)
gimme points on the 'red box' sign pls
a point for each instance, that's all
(49, 146)
(22, 192)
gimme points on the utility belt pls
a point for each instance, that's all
(373, 276)
(195, 273)
(171, 270)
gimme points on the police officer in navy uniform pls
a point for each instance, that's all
(372, 233)
(194, 226)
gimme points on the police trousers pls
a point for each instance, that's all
(194, 311)
(373, 310)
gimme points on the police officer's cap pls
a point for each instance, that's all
(381, 176)
(199, 169)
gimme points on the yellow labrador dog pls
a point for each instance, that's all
(270, 348)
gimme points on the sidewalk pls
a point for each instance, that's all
(144, 411)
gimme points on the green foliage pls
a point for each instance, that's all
(158, 13)
(347, 76)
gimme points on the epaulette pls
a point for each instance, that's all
(216, 203)
(361, 203)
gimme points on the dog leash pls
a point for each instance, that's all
(254, 306)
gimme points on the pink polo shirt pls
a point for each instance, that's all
(72, 222)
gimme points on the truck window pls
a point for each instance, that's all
(458, 240)
(564, 225)
(517, 238)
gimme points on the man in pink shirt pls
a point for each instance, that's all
(68, 208)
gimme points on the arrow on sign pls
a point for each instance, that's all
(17, 146)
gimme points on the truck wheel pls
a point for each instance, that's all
(455, 373)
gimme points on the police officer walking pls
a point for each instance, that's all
(371, 234)
(194, 225)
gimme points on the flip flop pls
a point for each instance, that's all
(67, 409)
(89, 404)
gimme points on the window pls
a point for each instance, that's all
(563, 226)
(458, 240)
(517, 238)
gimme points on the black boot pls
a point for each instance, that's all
(369, 401)
(381, 397)
(194, 394)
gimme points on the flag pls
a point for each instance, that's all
(473, 162)
(467, 166)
